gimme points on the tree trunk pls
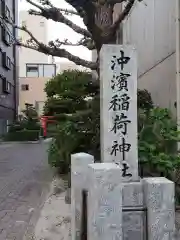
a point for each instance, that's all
(103, 23)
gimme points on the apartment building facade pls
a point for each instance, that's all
(8, 64)
(31, 87)
(34, 70)
(37, 25)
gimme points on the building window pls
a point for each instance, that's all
(25, 87)
(6, 37)
(6, 86)
(40, 70)
(6, 61)
(5, 10)
(32, 70)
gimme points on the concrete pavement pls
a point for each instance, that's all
(54, 222)
(24, 183)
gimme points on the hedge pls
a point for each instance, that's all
(23, 135)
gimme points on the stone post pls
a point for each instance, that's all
(118, 94)
(159, 199)
(79, 166)
(105, 202)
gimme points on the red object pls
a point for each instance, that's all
(44, 121)
(44, 126)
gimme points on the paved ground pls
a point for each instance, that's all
(54, 221)
(24, 182)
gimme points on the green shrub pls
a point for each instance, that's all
(66, 142)
(23, 135)
(79, 127)
(158, 137)
(51, 129)
(26, 128)
(24, 124)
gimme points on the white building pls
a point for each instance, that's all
(38, 27)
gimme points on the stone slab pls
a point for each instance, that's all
(159, 199)
(134, 225)
(134, 216)
(132, 194)
(105, 202)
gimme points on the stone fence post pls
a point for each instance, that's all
(105, 202)
(159, 199)
(79, 182)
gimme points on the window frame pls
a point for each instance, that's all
(24, 87)
(6, 85)
(32, 66)
(6, 61)
(43, 65)
(5, 33)
(5, 11)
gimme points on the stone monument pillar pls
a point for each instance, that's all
(118, 89)
(118, 94)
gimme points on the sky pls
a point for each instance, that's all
(61, 31)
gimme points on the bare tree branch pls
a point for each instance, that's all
(97, 16)
(62, 53)
(35, 4)
(34, 44)
(34, 12)
(53, 13)
(115, 1)
(68, 11)
(48, 4)
(88, 43)
(65, 11)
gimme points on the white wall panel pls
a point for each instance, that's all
(151, 28)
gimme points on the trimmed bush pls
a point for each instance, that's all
(79, 124)
(23, 135)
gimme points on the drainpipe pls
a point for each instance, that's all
(178, 64)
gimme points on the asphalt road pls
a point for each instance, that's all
(24, 182)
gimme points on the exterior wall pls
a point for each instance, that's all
(35, 95)
(38, 26)
(8, 100)
(151, 28)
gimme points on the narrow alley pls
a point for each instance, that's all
(24, 182)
